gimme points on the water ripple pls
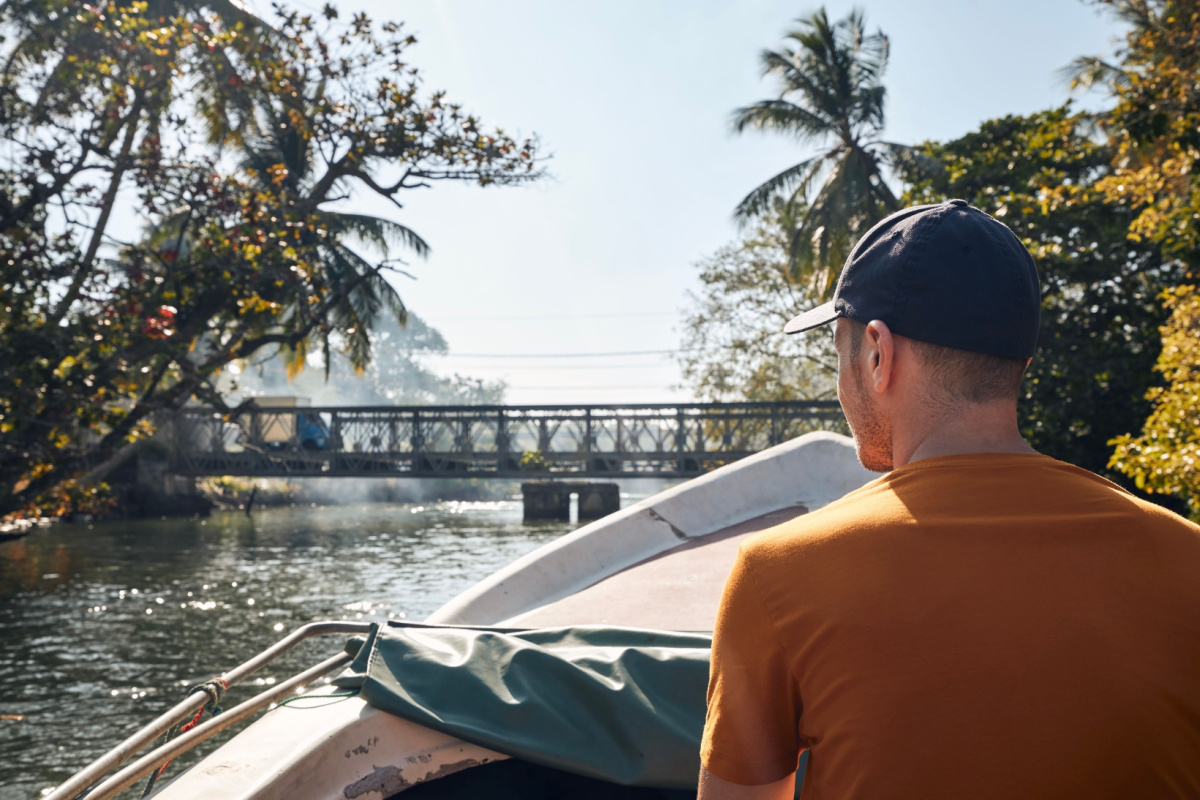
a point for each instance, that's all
(103, 628)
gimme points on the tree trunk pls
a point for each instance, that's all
(84, 269)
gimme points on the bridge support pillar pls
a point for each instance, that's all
(546, 500)
(552, 499)
(598, 500)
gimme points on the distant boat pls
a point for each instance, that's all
(657, 565)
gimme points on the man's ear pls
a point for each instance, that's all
(879, 350)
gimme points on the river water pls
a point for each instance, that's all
(103, 626)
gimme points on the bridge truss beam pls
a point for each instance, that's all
(600, 441)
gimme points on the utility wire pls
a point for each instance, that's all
(560, 316)
(562, 355)
(567, 367)
(519, 387)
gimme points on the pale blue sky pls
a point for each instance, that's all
(633, 98)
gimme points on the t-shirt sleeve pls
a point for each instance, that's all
(751, 735)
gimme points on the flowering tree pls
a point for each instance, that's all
(1154, 83)
(112, 112)
(1166, 457)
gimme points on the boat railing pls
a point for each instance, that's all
(77, 786)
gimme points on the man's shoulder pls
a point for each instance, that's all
(862, 512)
(1085, 491)
(959, 491)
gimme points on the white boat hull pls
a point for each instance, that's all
(341, 749)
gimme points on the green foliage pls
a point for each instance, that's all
(1155, 122)
(1166, 457)
(831, 95)
(1155, 127)
(532, 460)
(1109, 206)
(139, 106)
(1100, 317)
(734, 347)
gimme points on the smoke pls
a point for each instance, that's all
(347, 491)
(396, 375)
(350, 491)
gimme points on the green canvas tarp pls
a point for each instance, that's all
(620, 704)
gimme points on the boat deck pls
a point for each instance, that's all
(678, 589)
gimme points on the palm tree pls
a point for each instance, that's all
(832, 96)
(270, 140)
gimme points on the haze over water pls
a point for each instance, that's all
(103, 627)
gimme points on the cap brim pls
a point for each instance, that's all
(813, 318)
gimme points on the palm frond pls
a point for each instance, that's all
(866, 113)
(870, 52)
(371, 296)
(800, 78)
(1087, 72)
(355, 315)
(383, 294)
(381, 233)
(824, 217)
(910, 163)
(852, 198)
(780, 115)
(789, 182)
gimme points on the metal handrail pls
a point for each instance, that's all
(181, 744)
(81, 780)
(578, 408)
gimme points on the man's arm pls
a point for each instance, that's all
(713, 788)
(751, 743)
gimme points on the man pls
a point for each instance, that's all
(980, 622)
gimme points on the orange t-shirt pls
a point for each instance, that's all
(978, 626)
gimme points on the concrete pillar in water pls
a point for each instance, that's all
(598, 500)
(552, 499)
(546, 500)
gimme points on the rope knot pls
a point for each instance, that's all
(215, 688)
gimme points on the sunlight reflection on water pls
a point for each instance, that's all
(102, 628)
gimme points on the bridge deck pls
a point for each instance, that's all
(647, 440)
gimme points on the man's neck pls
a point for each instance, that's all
(972, 428)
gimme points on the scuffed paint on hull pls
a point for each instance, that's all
(388, 781)
(336, 751)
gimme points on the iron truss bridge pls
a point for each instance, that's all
(600, 441)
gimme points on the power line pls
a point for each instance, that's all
(562, 355)
(568, 367)
(560, 316)
(586, 388)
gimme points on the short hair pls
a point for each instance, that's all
(962, 376)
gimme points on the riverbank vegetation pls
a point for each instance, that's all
(1108, 204)
(170, 184)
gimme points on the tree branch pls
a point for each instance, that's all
(84, 268)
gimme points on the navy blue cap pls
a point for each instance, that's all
(948, 274)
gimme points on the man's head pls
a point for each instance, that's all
(883, 377)
(937, 312)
